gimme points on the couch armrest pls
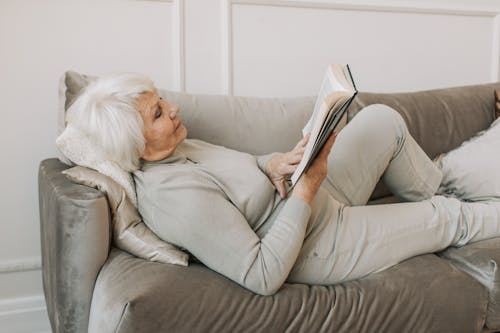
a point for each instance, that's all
(75, 239)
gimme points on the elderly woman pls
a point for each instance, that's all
(231, 210)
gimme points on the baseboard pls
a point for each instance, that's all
(24, 315)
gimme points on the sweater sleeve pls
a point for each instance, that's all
(220, 237)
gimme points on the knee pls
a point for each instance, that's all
(381, 112)
(384, 118)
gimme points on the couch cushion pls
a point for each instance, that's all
(482, 260)
(439, 119)
(423, 294)
(250, 124)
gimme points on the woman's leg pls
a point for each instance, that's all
(369, 239)
(374, 144)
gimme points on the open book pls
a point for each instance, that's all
(336, 93)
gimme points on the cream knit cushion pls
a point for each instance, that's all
(78, 148)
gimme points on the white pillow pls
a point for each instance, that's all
(471, 171)
(78, 148)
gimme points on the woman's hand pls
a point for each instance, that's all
(308, 184)
(281, 166)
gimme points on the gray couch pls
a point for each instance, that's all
(92, 286)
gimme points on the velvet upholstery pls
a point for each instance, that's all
(482, 261)
(439, 120)
(75, 240)
(426, 293)
(419, 295)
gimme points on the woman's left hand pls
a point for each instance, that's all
(283, 165)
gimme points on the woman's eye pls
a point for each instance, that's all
(158, 114)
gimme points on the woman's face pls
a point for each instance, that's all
(163, 129)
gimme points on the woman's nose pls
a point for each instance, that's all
(173, 110)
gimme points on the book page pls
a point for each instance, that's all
(342, 74)
(334, 97)
(318, 121)
(328, 105)
(323, 133)
(331, 83)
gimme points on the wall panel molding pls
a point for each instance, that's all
(420, 7)
(495, 56)
(178, 37)
(227, 46)
(485, 9)
(178, 22)
(20, 265)
(24, 314)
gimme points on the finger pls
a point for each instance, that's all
(289, 169)
(299, 150)
(293, 155)
(306, 138)
(280, 187)
(294, 159)
(303, 141)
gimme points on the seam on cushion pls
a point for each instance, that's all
(483, 322)
(125, 308)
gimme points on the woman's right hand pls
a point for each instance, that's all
(308, 184)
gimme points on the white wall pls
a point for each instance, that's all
(242, 47)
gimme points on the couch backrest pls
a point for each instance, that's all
(249, 124)
(438, 119)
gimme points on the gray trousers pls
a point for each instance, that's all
(376, 144)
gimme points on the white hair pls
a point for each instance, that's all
(107, 113)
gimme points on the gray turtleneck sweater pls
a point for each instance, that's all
(219, 205)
